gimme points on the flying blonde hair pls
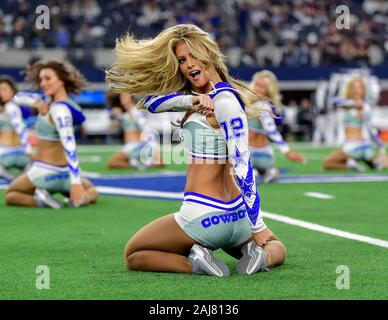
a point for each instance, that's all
(347, 90)
(150, 67)
(273, 86)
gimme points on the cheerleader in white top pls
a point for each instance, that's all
(141, 149)
(263, 130)
(360, 133)
(14, 146)
(221, 208)
(56, 167)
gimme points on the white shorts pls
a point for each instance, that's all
(13, 157)
(141, 152)
(49, 177)
(359, 150)
(262, 158)
(214, 223)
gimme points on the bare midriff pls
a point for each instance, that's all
(353, 133)
(212, 178)
(257, 140)
(215, 180)
(51, 152)
(131, 136)
(9, 138)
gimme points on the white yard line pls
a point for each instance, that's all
(99, 148)
(331, 178)
(319, 195)
(140, 193)
(90, 174)
(327, 230)
(92, 158)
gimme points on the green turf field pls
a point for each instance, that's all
(83, 248)
(94, 159)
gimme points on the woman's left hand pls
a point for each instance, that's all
(262, 237)
(42, 108)
(203, 104)
(295, 157)
(78, 195)
(358, 104)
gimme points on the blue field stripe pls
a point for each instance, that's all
(166, 183)
(4, 181)
(176, 183)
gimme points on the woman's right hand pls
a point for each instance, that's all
(42, 108)
(203, 104)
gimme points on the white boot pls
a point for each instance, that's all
(4, 173)
(353, 164)
(271, 175)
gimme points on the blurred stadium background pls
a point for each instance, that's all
(299, 42)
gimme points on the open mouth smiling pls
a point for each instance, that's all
(195, 74)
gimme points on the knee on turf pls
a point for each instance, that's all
(135, 260)
(327, 163)
(112, 163)
(9, 197)
(278, 252)
(93, 194)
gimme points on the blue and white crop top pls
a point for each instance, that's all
(12, 119)
(354, 118)
(133, 120)
(5, 121)
(230, 141)
(201, 140)
(46, 130)
(265, 125)
(64, 114)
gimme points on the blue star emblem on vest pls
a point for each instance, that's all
(239, 157)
